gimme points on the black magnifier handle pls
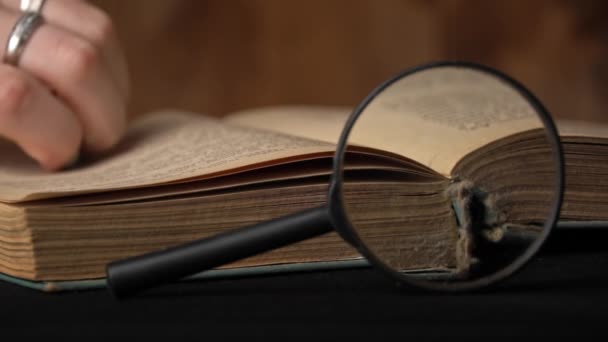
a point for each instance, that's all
(129, 276)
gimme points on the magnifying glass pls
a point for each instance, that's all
(477, 192)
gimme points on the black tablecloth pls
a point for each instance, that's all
(563, 292)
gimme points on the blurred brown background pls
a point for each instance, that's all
(218, 56)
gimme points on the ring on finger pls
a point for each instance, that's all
(22, 31)
(34, 6)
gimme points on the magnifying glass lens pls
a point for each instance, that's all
(450, 176)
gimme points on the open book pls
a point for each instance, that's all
(178, 176)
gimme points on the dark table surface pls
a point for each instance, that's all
(562, 293)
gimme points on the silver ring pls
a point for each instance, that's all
(21, 33)
(32, 5)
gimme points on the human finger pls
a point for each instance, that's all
(36, 121)
(90, 23)
(73, 67)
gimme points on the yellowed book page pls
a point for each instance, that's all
(434, 118)
(323, 123)
(162, 147)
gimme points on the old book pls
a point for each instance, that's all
(179, 176)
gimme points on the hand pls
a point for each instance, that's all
(70, 89)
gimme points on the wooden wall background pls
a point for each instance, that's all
(217, 56)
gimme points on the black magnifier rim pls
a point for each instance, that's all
(343, 226)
